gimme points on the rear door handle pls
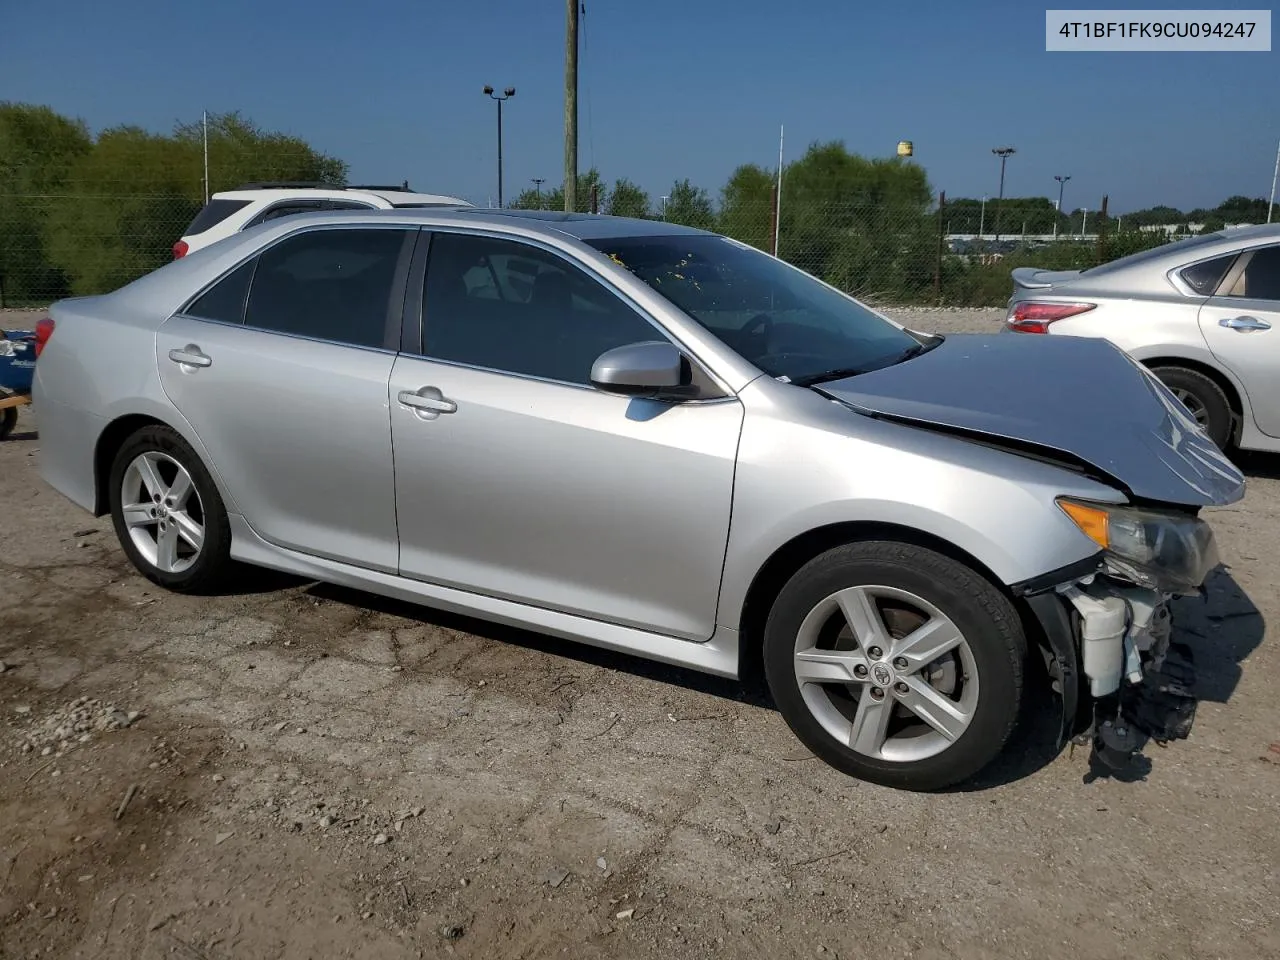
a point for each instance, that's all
(190, 356)
(1244, 324)
(427, 402)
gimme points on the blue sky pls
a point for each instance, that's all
(668, 89)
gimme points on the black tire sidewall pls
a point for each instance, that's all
(8, 416)
(212, 564)
(1208, 393)
(987, 620)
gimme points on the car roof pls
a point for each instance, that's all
(582, 226)
(270, 194)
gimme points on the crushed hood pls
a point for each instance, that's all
(1080, 398)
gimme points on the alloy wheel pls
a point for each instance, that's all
(162, 511)
(1195, 406)
(886, 673)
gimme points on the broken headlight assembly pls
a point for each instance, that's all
(1163, 550)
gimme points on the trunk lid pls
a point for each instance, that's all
(1079, 398)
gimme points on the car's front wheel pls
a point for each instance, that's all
(167, 512)
(1203, 398)
(896, 664)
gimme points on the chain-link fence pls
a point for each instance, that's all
(73, 243)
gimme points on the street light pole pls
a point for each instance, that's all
(507, 94)
(1003, 153)
(1062, 182)
(537, 185)
(982, 219)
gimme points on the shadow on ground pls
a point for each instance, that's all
(1222, 628)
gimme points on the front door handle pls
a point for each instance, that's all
(190, 356)
(1244, 324)
(427, 402)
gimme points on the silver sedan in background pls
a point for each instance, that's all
(655, 440)
(1202, 313)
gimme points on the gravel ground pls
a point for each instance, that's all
(299, 771)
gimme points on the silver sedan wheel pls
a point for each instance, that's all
(1195, 406)
(162, 511)
(886, 673)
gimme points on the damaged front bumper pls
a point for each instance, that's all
(1122, 678)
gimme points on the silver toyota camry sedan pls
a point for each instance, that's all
(661, 441)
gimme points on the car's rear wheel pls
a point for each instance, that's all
(1203, 398)
(896, 664)
(8, 416)
(167, 512)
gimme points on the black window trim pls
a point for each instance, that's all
(415, 319)
(1187, 290)
(392, 330)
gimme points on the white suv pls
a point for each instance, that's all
(231, 211)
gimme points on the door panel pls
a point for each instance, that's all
(1242, 327)
(562, 496)
(298, 429)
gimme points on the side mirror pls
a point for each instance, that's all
(650, 369)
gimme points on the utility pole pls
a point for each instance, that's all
(1062, 182)
(1003, 153)
(205, 123)
(571, 107)
(1272, 202)
(537, 186)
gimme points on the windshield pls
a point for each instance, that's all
(776, 317)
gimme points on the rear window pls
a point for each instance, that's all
(1164, 249)
(214, 212)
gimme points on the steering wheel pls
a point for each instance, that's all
(759, 325)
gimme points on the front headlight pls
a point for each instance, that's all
(1169, 552)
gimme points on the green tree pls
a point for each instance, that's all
(628, 200)
(746, 206)
(132, 195)
(241, 152)
(690, 205)
(862, 224)
(1243, 210)
(554, 199)
(38, 149)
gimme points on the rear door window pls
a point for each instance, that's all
(214, 212)
(343, 285)
(284, 210)
(1261, 277)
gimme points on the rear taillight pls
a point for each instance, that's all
(180, 249)
(1031, 316)
(44, 330)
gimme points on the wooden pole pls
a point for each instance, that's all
(571, 108)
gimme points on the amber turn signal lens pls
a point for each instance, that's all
(1091, 521)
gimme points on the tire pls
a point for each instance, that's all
(907, 587)
(1203, 398)
(8, 416)
(140, 526)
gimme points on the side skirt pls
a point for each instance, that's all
(718, 656)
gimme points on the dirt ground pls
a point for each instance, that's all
(297, 771)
